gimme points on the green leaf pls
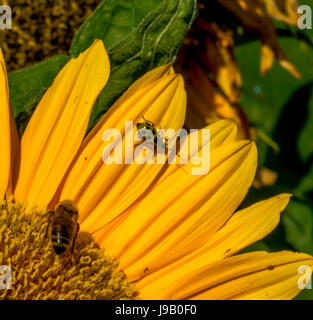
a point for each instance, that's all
(112, 22)
(306, 183)
(154, 43)
(305, 294)
(258, 246)
(28, 85)
(298, 223)
(305, 141)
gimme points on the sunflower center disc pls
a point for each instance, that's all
(38, 273)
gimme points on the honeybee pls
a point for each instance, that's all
(63, 227)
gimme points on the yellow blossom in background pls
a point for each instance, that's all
(208, 64)
(218, 57)
(206, 103)
(213, 79)
(167, 234)
(257, 15)
(210, 47)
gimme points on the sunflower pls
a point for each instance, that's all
(167, 234)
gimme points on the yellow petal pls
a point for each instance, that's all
(267, 58)
(183, 211)
(269, 51)
(137, 90)
(58, 125)
(256, 275)
(221, 132)
(8, 135)
(104, 191)
(5, 135)
(15, 155)
(242, 229)
(283, 10)
(143, 81)
(246, 227)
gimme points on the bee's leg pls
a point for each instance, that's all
(48, 224)
(72, 252)
(178, 155)
(137, 144)
(167, 141)
(74, 242)
(180, 165)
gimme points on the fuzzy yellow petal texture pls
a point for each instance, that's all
(256, 275)
(103, 191)
(55, 131)
(204, 204)
(9, 142)
(242, 229)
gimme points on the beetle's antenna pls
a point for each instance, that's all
(148, 121)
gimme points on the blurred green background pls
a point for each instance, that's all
(282, 107)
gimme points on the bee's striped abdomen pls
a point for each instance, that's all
(60, 238)
(63, 227)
